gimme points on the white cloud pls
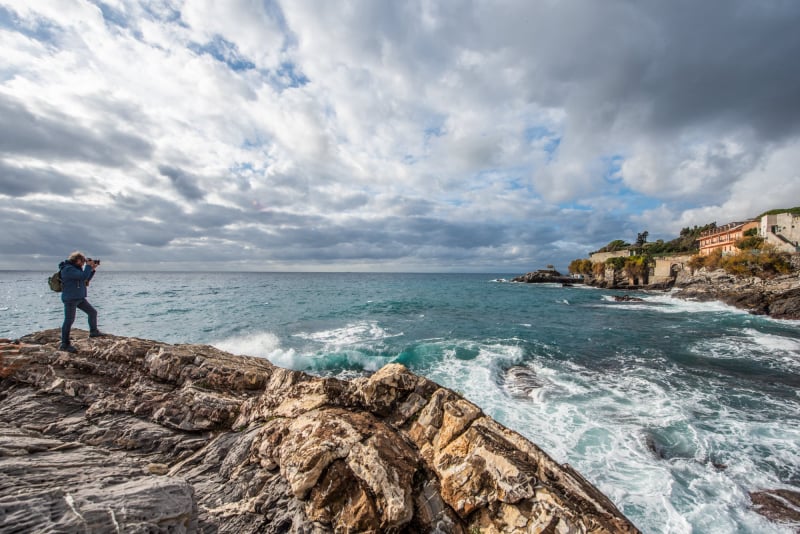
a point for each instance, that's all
(433, 124)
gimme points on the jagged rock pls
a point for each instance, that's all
(778, 505)
(136, 435)
(778, 297)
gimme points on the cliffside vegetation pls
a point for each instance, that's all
(794, 211)
(763, 261)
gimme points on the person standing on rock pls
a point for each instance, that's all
(76, 271)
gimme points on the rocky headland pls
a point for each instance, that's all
(546, 277)
(778, 297)
(132, 435)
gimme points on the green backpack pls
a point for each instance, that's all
(55, 281)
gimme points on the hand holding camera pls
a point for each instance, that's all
(93, 263)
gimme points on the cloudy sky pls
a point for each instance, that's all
(419, 135)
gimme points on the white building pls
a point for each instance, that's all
(781, 230)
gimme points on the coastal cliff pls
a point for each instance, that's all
(137, 435)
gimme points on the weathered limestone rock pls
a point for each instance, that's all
(130, 435)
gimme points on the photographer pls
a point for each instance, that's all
(76, 272)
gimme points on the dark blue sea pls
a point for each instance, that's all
(676, 410)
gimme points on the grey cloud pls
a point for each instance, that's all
(671, 64)
(21, 181)
(184, 183)
(56, 136)
(47, 229)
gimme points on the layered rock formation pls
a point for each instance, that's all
(131, 435)
(777, 297)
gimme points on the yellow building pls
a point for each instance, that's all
(725, 237)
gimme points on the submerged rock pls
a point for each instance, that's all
(778, 505)
(627, 298)
(136, 435)
(521, 381)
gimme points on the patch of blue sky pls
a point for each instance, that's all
(550, 138)
(613, 168)
(433, 131)
(41, 30)
(552, 146)
(517, 184)
(242, 168)
(111, 15)
(534, 133)
(164, 13)
(289, 76)
(224, 51)
(511, 179)
(255, 142)
(574, 206)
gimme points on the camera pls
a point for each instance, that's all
(96, 262)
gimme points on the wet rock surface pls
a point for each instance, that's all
(779, 505)
(132, 435)
(778, 297)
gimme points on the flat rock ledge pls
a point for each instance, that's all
(132, 435)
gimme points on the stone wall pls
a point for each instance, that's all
(667, 267)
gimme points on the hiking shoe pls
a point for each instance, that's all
(68, 348)
(96, 333)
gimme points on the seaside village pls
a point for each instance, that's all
(779, 231)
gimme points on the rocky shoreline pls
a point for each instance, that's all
(137, 435)
(777, 297)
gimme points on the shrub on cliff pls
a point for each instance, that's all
(750, 242)
(617, 263)
(580, 266)
(764, 262)
(636, 266)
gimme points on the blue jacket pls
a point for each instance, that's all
(74, 280)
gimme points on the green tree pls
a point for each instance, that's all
(615, 246)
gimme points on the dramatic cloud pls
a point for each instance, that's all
(422, 135)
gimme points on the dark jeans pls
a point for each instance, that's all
(69, 317)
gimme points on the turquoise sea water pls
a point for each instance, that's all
(676, 410)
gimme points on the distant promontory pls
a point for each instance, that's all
(752, 264)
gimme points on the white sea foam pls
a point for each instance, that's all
(665, 303)
(771, 342)
(351, 334)
(771, 349)
(677, 460)
(263, 345)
